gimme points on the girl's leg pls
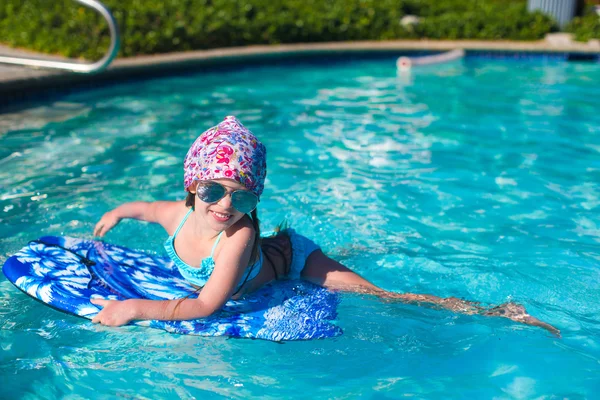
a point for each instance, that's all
(326, 272)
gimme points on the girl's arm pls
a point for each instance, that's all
(230, 265)
(159, 212)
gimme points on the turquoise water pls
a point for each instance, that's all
(477, 179)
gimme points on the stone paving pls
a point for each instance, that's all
(22, 79)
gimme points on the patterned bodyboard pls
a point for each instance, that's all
(65, 273)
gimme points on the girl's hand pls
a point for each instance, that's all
(106, 223)
(114, 312)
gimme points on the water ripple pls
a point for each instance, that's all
(478, 179)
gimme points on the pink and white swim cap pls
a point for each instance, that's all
(228, 150)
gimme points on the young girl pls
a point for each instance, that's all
(214, 239)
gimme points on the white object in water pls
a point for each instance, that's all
(406, 63)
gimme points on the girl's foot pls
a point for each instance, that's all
(517, 313)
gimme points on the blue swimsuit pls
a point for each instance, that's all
(199, 276)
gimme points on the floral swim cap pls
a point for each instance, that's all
(228, 150)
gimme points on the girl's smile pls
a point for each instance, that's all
(220, 216)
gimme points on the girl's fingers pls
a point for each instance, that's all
(99, 302)
(98, 228)
(101, 228)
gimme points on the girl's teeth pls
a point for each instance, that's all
(221, 215)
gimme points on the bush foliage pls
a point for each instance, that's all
(158, 26)
(586, 27)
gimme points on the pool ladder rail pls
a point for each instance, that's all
(74, 66)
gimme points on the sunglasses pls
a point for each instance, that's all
(211, 192)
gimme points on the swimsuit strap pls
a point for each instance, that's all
(182, 222)
(215, 245)
(181, 225)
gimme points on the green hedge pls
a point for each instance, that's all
(586, 27)
(157, 26)
(483, 20)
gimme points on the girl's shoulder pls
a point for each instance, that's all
(241, 235)
(242, 230)
(244, 226)
(170, 214)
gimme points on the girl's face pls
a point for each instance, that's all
(221, 214)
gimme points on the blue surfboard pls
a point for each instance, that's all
(65, 273)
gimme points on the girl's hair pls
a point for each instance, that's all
(190, 201)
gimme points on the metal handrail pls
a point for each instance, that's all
(73, 66)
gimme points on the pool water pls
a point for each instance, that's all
(476, 179)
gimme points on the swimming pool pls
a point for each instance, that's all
(477, 179)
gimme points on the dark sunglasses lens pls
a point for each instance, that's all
(210, 192)
(244, 201)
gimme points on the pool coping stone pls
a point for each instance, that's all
(18, 81)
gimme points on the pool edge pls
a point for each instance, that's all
(25, 83)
